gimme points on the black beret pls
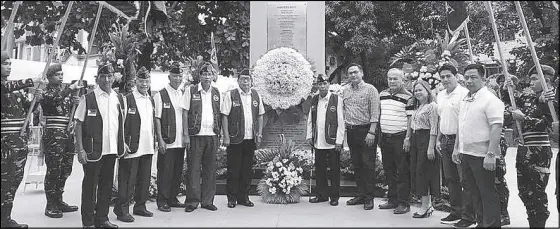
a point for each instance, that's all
(105, 68)
(546, 70)
(322, 78)
(206, 67)
(245, 72)
(175, 68)
(143, 73)
(52, 69)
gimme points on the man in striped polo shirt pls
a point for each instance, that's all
(394, 122)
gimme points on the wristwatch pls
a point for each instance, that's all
(491, 154)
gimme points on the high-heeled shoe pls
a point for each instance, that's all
(426, 214)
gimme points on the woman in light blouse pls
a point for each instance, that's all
(420, 142)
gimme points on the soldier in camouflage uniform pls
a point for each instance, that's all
(534, 154)
(15, 105)
(58, 142)
(500, 180)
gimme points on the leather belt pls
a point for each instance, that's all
(398, 134)
(352, 127)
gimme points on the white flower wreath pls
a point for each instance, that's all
(283, 77)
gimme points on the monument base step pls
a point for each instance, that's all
(347, 188)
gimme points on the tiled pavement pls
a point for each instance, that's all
(29, 208)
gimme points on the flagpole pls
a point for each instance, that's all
(503, 63)
(49, 60)
(91, 39)
(10, 26)
(535, 58)
(471, 54)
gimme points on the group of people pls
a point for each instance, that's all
(462, 129)
(415, 130)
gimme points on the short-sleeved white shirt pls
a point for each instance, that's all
(175, 97)
(246, 102)
(448, 109)
(207, 117)
(108, 105)
(144, 109)
(476, 114)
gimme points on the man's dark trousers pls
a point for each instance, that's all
(96, 190)
(459, 194)
(327, 158)
(134, 181)
(169, 175)
(363, 158)
(239, 169)
(484, 194)
(396, 164)
(201, 155)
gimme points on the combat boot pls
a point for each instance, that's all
(64, 207)
(10, 223)
(52, 211)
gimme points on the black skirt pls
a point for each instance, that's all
(425, 177)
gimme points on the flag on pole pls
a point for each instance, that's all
(214, 54)
(457, 17)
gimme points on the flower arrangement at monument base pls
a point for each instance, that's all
(283, 181)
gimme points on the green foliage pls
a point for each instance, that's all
(187, 36)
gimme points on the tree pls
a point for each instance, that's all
(371, 32)
(188, 33)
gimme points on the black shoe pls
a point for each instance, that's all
(388, 206)
(189, 208)
(334, 202)
(210, 207)
(368, 205)
(318, 200)
(64, 207)
(10, 223)
(247, 203)
(176, 204)
(143, 212)
(355, 201)
(106, 224)
(127, 218)
(231, 204)
(463, 224)
(450, 219)
(401, 209)
(504, 221)
(164, 208)
(426, 214)
(52, 212)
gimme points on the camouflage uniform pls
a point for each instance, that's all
(14, 146)
(58, 144)
(534, 158)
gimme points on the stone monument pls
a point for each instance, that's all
(297, 25)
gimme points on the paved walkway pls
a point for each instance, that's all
(29, 208)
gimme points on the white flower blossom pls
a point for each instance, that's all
(278, 164)
(282, 77)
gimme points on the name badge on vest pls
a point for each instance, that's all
(313, 107)
(236, 104)
(132, 110)
(333, 108)
(166, 105)
(255, 103)
(196, 97)
(92, 112)
(216, 98)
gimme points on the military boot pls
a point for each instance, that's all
(10, 223)
(64, 207)
(52, 210)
